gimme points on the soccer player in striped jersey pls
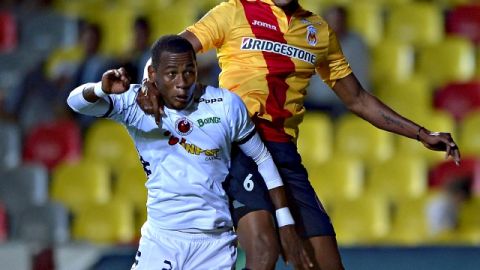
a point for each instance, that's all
(186, 155)
(268, 50)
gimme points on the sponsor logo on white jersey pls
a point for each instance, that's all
(264, 24)
(255, 44)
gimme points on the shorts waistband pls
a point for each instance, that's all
(155, 232)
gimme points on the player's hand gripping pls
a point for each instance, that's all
(293, 251)
(115, 81)
(439, 141)
(150, 101)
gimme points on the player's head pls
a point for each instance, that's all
(174, 70)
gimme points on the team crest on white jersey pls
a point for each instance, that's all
(183, 126)
(312, 35)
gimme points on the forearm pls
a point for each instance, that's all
(380, 115)
(84, 100)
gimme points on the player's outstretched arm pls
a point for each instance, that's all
(380, 115)
(292, 246)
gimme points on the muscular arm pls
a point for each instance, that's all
(370, 108)
(83, 100)
(197, 46)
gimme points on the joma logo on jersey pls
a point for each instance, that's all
(255, 44)
(208, 120)
(264, 24)
(192, 148)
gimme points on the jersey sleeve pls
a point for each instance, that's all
(238, 118)
(336, 66)
(121, 108)
(214, 26)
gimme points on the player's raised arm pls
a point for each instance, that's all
(292, 246)
(90, 98)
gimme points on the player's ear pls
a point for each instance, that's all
(151, 73)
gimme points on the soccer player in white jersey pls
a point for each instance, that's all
(186, 156)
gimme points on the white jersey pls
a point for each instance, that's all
(186, 157)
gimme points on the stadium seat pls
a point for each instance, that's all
(464, 20)
(108, 142)
(453, 59)
(3, 223)
(459, 98)
(337, 178)
(108, 223)
(173, 19)
(8, 32)
(391, 61)
(435, 121)
(411, 97)
(448, 171)
(23, 186)
(409, 222)
(359, 139)
(53, 142)
(76, 184)
(315, 139)
(401, 177)
(130, 186)
(43, 225)
(469, 139)
(469, 222)
(365, 18)
(10, 145)
(361, 221)
(417, 23)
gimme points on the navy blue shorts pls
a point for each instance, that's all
(248, 192)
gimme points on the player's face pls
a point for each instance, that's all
(176, 74)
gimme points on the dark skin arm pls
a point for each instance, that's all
(292, 248)
(370, 108)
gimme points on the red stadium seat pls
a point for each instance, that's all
(464, 20)
(448, 171)
(458, 98)
(53, 142)
(3, 223)
(8, 32)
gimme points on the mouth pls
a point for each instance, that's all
(182, 98)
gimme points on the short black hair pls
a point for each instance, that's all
(172, 44)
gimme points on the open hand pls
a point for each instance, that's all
(115, 81)
(150, 101)
(293, 251)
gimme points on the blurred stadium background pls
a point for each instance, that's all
(72, 190)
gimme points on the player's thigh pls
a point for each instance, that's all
(309, 213)
(245, 187)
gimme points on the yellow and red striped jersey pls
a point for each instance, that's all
(267, 58)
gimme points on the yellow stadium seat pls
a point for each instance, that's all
(76, 184)
(315, 139)
(365, 18)
(411, 98)
(469, 222)
(398, 178)
(114, 42)
(130, 186)
(453, 59)
(391, 61)
(359, 139)
(109, 142)
(437, 121)
(361, 221)
(171, 20)
(469, 139)
(109, 223)
(409, 222)
(418, 23)
(337, 178)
